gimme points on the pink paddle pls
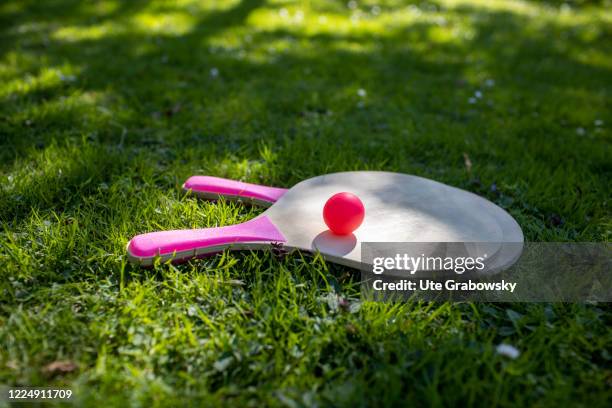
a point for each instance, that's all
(398, 208)
(212, 188)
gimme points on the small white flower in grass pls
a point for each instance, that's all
(284, 13)
(478, 94)
(352, 5)
(299, 16)
(375, 10)
(472, 101)
(580, 131)
(214, 72)
(223, 364)
(508, 350)
(362, 92)
(598, 122)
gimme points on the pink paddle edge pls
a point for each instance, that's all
(225, 187)
(159, 243)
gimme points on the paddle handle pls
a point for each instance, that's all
(215, 187)
(184, 244)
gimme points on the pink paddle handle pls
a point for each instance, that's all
(210, 187)
(181, 244)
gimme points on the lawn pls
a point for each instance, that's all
(106, 107)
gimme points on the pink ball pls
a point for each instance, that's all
(343, 213)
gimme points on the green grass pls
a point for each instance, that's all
(107, 107)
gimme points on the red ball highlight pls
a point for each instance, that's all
(343, 213)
